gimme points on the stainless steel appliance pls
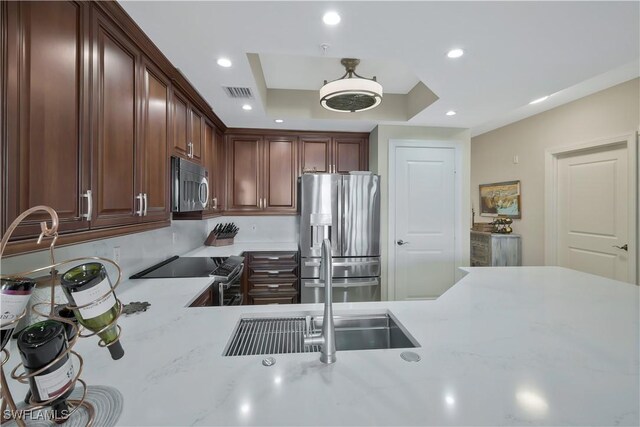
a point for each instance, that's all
(346, 210)
(226, 273)
(189, 186)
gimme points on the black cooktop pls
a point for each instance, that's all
(219, 267)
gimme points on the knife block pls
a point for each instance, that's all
(213, 241)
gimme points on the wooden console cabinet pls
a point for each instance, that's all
(495, 250)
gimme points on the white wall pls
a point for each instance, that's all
(262, 228)
(137, 251)
(141, 250)
(609, 113)
(379, 163)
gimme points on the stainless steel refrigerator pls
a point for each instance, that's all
(346, 209)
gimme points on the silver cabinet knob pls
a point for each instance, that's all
(402, 242)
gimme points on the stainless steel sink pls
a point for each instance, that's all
(264, 335)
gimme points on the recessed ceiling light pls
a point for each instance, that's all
(455, 53)
(279, 121)
(331, 18)
(247, 107)
(535, 101)
(450, 113)
(224, 62)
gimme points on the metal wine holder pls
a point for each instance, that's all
(23, 377)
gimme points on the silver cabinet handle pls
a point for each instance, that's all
(272, 272)
(273, 286)
(624, 247)
(190, 150)
(141, 210)
(89, 196)
(215, 202)
(146, 203)
(402, 242)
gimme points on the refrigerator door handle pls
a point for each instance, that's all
(342, 264)
(316, 283)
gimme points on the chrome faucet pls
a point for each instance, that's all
(326, 338)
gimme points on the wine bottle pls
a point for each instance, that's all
(60, 310)
(14, 296)
(39, 345)
(89, 283)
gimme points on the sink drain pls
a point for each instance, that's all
(269, 361)
(410, 356)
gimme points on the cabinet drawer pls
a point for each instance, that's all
(272, 258)
(273, 271)
(269, 299)
(287, 285)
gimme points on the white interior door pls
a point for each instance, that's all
(424, 228)
(593, 212)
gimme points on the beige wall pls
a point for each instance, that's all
(609, 113)
(379, 163)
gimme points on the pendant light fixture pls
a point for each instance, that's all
(351, 93)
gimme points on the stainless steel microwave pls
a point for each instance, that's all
(190, 186)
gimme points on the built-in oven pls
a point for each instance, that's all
(229, 290)
(190, 186)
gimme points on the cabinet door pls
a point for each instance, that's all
(268, 299)
(47, 82)
(350, 154)
(209, 161)
(316, 154)
(220, 172)
(180, 118)
(154, 161)
(243, 175)
(280, 174)
(195, 134)
(114, 123)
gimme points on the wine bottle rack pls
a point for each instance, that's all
(23, 376)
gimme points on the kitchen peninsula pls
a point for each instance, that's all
(504, 346)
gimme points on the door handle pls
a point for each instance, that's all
(89, 196)
(141, 210)
(624, 247)
(402, 242)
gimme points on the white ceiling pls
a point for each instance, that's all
(515, 52)
(310, 72)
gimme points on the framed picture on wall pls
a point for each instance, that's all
(501, 199)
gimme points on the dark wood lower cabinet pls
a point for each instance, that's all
(271, 278)
(269, 299)
(205, 299)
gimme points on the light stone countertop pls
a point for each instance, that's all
(504, 346)
(240, 247)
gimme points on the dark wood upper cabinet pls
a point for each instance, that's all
(154, 159)
(195, 137)
(262, 174)
(188, 130)
(116, 200)
(216, 166)
(46, 99)
(180, 117)
(350, 154)
(316, 154)
(280, 174)
(337, 154)
(244, 158)
(220, 172)
(210, 160)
